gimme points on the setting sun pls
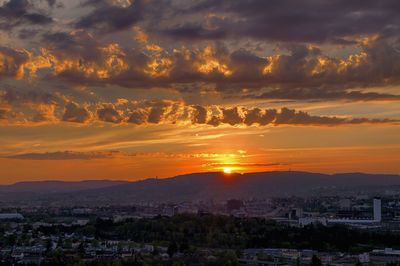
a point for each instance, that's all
(227, 170)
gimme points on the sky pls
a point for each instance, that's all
(133, 89)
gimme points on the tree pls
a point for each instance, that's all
(172, 248)
(227, 258)
(81, 249)
(298, 261)
(315, 261)
(49, 245)
(184, 246)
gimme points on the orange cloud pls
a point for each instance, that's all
(207, 62)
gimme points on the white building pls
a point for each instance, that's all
(11, 216)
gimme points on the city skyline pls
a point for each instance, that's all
(134, 89)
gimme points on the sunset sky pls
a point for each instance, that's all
(131, 89)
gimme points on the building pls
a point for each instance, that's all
(296, 213)
(386, 255)
(11, 216)
(377, 216)
(312, 220)
(377, 210)
(345, 204)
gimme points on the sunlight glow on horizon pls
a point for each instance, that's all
(227, 170)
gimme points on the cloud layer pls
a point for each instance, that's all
(299, 71)
(243, 50)
(38, 108)
(276, 50)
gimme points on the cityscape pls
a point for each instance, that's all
(360, 229)
(200, 132)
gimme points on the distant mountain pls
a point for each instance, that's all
(48, 187)
(202, 186)
(220, 186)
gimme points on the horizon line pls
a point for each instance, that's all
(185, 174)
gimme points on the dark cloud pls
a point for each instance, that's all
(214, 121)
(138, 117)
(30, 106)
(157, 111)
(18, 97)
(11, 61)
(26, 34)
(59, 39)
(79, 45)
(43, 113)
(298, 71)
(308, 74)
(199, 114)
(108, 113)
(17, 12)
(75, 113)
(286, 116)
(194, 32)
(304, 21)
(231, 116)
(38, 18)
(51, 3)
(3, 114)
(108, 18)
(285, 20)
(324, 94)
(260, 117)
(169, 112)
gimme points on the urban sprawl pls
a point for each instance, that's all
(356, 230)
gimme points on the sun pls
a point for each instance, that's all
(227, 170)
